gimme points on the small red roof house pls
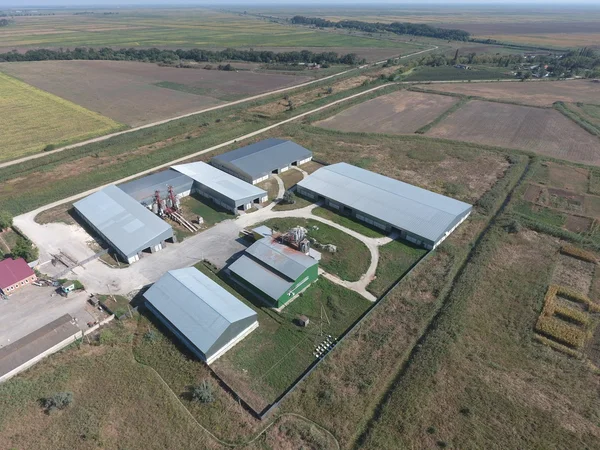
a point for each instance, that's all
(14, 274)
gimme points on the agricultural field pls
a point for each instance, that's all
(535, 93)
(543, 131)
(449, 73)
(25, 128)
(493, 382)
(137, 93)
(401, 112)
(171, 28)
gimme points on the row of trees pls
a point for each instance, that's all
(23, 247)
(582, 61)
(5, 22)
(414, 29)
(173, 56)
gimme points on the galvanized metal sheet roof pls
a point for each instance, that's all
(127, 224)
(143, 189)
(213, 178)
(285, 260)
(400, 204)
(261, 158)
(197, 306)
(260, 277)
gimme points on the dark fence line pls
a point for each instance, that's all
(265, 413)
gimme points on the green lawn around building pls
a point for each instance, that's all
(348, 222)
(349, 262)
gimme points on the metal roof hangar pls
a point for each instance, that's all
(256, 162)
(123, 223)
(203, 315)
(273, 271)
(222, 188)
(420, 216)
(144, 189)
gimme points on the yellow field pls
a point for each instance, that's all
(31, 119)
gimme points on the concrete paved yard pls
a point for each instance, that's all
(33, 307)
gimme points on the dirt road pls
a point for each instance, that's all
(195, 113)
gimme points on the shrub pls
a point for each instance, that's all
(49, 147)
(561, 331)
(24, 249)
(289, 197)
(513, 226)
(151, 336)
(203, 393)
(578, 253)
(60, 400)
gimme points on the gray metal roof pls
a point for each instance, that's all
(261, 158)
(416, 210)
(285, 260)
(198, 307)
(227, 185)
(260, 277)
(127, 224)
(271, 267)
(143, 189)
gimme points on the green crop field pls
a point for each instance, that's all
(170, 28)
(33, 119)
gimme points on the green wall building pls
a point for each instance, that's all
(274, 272)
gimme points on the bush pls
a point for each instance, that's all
(289, 198)
(203, 393)
(24, 249)
(513, 226)
(49, 147)
(151, 336)
(60, 400)
(6, 220)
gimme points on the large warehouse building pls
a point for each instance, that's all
(144, 189)
(203, 315)
(225, 190)
(418, 215)
(256, 162)
(274, 272)
(127, 226)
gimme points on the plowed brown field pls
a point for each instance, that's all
(127, 91)
(537, 93)
(397, 113)
(543, 131)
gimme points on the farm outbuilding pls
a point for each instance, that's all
(123, 223)
(274, 272)
(14, 274)
(256, 162)
(203, 315)
(143, 189)
(417, 215)
(222, 188)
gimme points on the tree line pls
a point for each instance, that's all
(173, 56)
(5, 22)
(414, 29)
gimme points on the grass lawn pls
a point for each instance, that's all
(300, 203)
(266, 362)
(270, 185)
(352, 257)
(395, 259)
(116, 400)
(116, 303)
(348, 222)
(291, 178)
(194, 205)
(540, 214)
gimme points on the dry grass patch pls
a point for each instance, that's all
(543, 131)
(400, 112)
(535, 93)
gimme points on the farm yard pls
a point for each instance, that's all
(25, 128)
(137, 93)
(543, 131)
(535, 93)
(397, 113)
